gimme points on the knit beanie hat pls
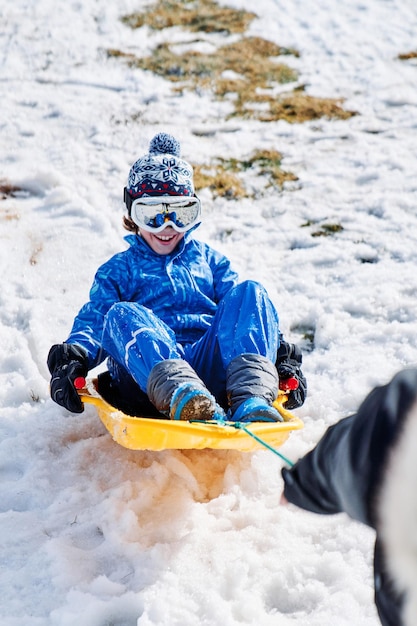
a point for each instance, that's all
(161, 172)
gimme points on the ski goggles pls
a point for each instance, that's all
(156, 213)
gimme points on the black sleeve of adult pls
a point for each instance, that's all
(308, 484)
(344, 471)
(389, 601)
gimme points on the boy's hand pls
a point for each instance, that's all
(297, 396)
(67, 362)
(288, 365)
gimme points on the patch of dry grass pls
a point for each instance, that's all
(247, 73)
(325, 229)
(249, 59)
(408, 55)
(222, 176)
(244, 72)
(198, 16)
(8, 189)
(221, 183)
(296, 107)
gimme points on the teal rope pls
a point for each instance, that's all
(262, 442)
(241, 426)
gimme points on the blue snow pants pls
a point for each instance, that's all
(246, 321)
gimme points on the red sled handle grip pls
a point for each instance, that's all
(79, 383)
(288, 384)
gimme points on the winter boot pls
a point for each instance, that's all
(252, 386)
(176, 390)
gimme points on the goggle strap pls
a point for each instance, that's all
(128, 200)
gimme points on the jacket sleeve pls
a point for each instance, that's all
(87, 329)
(345, 469)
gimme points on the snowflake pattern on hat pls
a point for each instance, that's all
(161, 173)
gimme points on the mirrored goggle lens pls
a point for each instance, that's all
(155, 214)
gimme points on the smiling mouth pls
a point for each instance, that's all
(164, 237)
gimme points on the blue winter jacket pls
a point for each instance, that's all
(182, 289)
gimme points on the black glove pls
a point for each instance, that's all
(66, 362)
(288, 364)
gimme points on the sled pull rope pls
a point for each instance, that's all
(241, 426)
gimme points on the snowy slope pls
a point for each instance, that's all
(96, 535)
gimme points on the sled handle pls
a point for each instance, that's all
(288, 384)
(80, 384)
(278, 405)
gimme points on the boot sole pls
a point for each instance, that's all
(193, 405)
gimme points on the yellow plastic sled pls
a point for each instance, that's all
(145, 433)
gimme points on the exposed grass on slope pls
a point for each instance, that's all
(7, 189)
(408, 55)
(246, 72)
(203, 16)
(223, 178)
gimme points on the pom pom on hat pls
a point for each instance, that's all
(162, 171)
(165, 144)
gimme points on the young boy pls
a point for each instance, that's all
(181, 336)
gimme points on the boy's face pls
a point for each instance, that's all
(163, 242)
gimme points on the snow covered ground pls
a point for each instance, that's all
(96, 535)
